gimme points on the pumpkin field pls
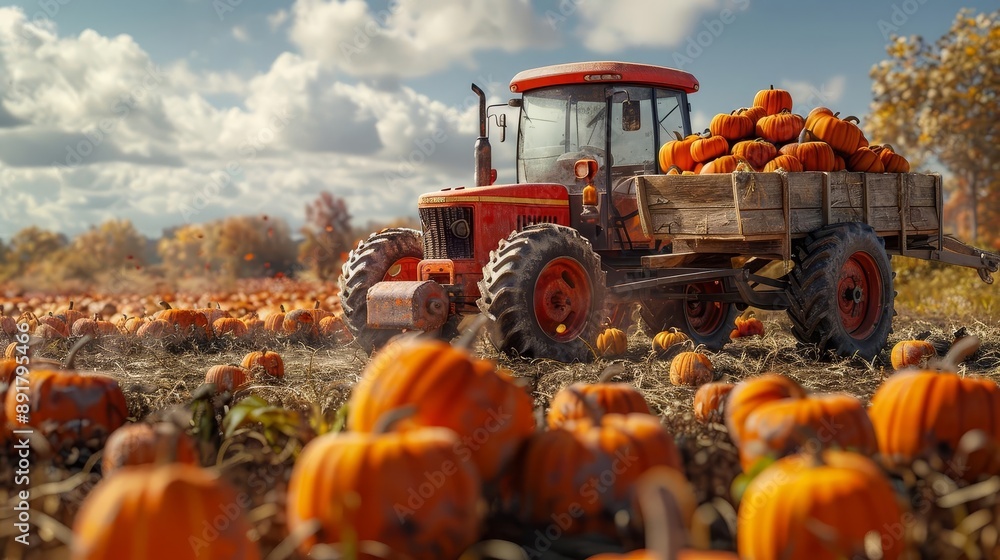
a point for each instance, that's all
(510, 485)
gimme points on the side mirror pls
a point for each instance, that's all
(514, 102)
(631, 120)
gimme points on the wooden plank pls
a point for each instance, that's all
(686, 191)
(694, 221)
(805, 190)
(734, 247)
(806, 220)
(671, 260)
(887, 220)
(642, 202)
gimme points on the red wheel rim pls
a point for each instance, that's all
(705, 317)
(562, 299)
(403, 269)
(859, 295)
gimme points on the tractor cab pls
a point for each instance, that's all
(615, 114)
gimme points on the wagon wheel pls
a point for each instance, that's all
(387, 256)
(841, 291)
(706, 322)
(543, 291)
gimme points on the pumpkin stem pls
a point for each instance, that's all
(70, 307)
(610, 372)
(165, 305)
(853, 119)
(316, 304)
(747, 313)
(661, 514)
(594, 412)
(389, 419)
(71, 356)
(678, 135)
(281, 307)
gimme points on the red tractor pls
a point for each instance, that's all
(537, 257)
(594, 228)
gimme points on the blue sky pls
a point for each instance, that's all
(185, 111)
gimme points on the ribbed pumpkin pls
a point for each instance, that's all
(611, 342)
(752, 393)
(709, 401)
(567, 469)
(754, 113)
(908, 353)
(723, 164)
(413, 491)
(156, 329)
(731, 126)
(924, 414)
(843, 493)
(843, 135)
(229, 326)
(70, 314)
(756, 152)
(782, 427)
(691, 368)
(891, 161)
(492, 417)
(55, 323)
(790, 164)
(610, 398)
(227, 377)
(268, 361)
(816, 114)
(665, 341)
(188, 321)
(173, 511)
(780, 127)
(773, 100)
(71, 408)
(274, 322)
(677, 152)
(705, 149)
(865, 161)
(814, 155)
(747, 324)
(143, 443)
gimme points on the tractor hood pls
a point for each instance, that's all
(536, 194)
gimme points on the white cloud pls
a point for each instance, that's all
(807, 95)
(639, 23)
(241, 34)
(413, 37)
(277, 19)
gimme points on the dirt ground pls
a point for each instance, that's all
(156, 378)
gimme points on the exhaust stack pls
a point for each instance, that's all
(483, 150)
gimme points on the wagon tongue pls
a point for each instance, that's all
(414, 305)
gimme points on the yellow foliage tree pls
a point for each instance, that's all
(939, 102)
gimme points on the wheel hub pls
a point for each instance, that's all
(562, 299)
(860, 289)
(705, 316)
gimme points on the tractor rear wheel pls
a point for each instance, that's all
(543, 291)
(708, 323)
(841, 291)
(389, 255)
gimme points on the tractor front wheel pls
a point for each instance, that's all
(543, 291)
(389, 255)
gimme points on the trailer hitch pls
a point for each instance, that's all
(991, 263)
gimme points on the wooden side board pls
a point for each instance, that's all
(761, 206)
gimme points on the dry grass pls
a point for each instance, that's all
(156, 377)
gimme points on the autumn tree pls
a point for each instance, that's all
(938, 102)
(32, 247)
(234, 247)
(104, 250)
(327, 235)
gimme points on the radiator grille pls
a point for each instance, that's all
(439, 241)
(525, 221)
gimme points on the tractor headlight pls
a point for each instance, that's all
(460, 229)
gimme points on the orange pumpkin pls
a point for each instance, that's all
(691, 368)
(188, 322)
(55, 323)
(907, 353)
(815, 115)
(755, 113)
(611, 342)
(156, 329)
(229, 326)
(756, 152)
(790, 164)
(843, 135)
(709, 401)
(492, 418)
(268, 361)
(723, 164)
(70, 314)
(612, 398)
(301, 322)
(844, 493)
(747, 325)
(129, 325)
(773, 100)
(275, 321)
(784, 426)
(866, 161)
(754, 392)
(70, 408)
(893, 162)
(8, 325)
(426, 505)
(575, 457)
(227, 377)
(705, 149)
(174, 511)
(677, 152)
(814, 155)
(780, 127)
(924, 414)
(731, 126)
(143, 443)
(665, 341)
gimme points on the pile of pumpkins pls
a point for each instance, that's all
(768, 136)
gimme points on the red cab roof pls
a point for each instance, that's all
(604, 71)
